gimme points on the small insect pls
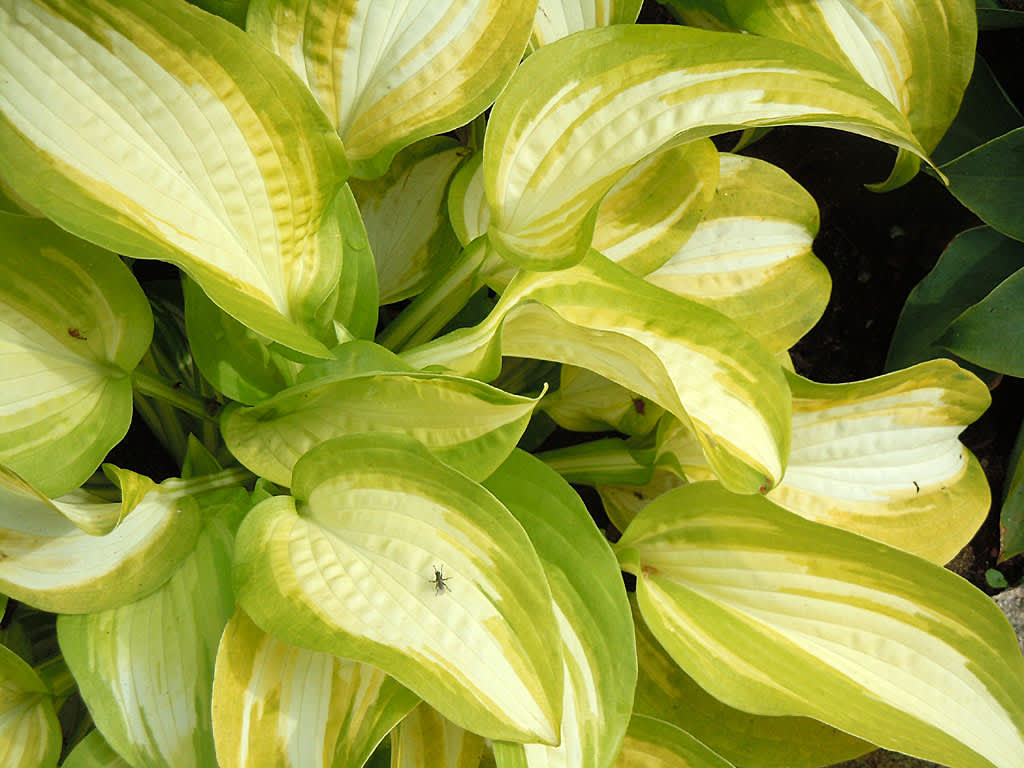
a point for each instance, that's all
(74, 333)
(440, 581)
(917, 488)
(639, 405)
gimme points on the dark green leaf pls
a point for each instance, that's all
(990, 181)
(973, 264)
(1011, 517)
(989, 333)
(985, 113)
(996, 17)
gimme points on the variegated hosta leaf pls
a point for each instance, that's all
(580, 112)
(882, 457)
(406, 218)
(687, 358)
(467, 424)
(750, 257)
(777, 615)
(586, 402)
(150, 694)
(94, 514)
(94, 752)
(390, 73)
(664, 691)
(919, 55)
(425, 738)
(653, 210)
(389, 557)
(643, 220)
(598, 652)
(29, 731)
(217, 161)
(48, 562)
(73, 325)
(556, 19)
(467, 205)
(653, 743)
(280, 706)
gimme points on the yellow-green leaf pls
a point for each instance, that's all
(50, 563)
(73, 325)
(666, 692)
(919, 55)
(159, 131)
(94, 752)
(880, 457)
(406, 218)
(653, 743)
(29, 731)
(145, 669)
(598, 652)
(654, 208)
(586, 402)
(279, 706)
(777, 615)
(580, 112)
(389, 557)
(425, 738)
(556, 19)
(390, 73)
(467, 424)
(750, 256)
(689, 359)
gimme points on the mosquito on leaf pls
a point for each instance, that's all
(440, 581)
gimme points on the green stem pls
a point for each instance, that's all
(154, 385)
(600, 462)
(440, 302)
(226, 478)
(57, 677)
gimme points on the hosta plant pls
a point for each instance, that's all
(407, 240)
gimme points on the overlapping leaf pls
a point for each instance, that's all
(52, 564)
(147, 693)
(598, 651)
(390, 73)
(881, 457)
(778, 615)
(750, 256)
(653, 743)
(94, 752)
(73, 325)
(586, 402)
(389, 557)
(664, 691)
(406, 218)
(29, 731)
(556, 19)
(687, 358)
(556, 144)
(216, 160)
(278, 705)
(918, 55)
(468, 424)
(426, 738)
